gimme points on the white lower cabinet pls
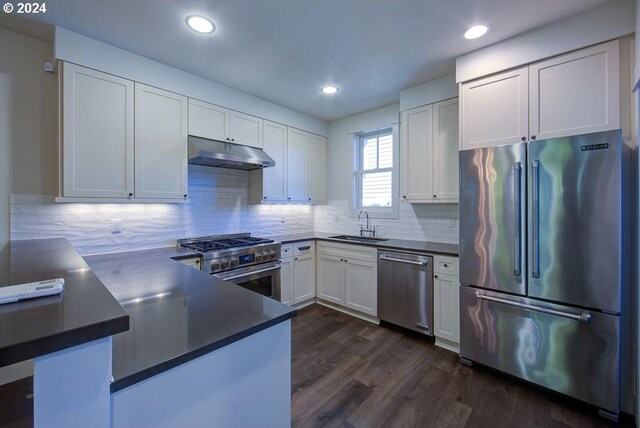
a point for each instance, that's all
(286, 281)
(298, 273)
(347, 276)
(446, 302)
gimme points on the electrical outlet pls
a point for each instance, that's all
(116, 226)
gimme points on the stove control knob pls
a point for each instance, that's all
(225, 263)
(234, 261)
(273, 254)
(215, 265)
(259, 256)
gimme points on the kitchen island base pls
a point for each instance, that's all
(244, 384)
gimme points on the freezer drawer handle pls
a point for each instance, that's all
(517, 250)
(535, 220)
(582, 317)
(410, 262)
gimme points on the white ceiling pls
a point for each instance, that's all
(285, 50)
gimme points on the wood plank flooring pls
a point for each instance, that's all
(351, 373)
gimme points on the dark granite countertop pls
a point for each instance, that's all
(394, 244)
(177, 313)
(86, 310)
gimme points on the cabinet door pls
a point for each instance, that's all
(445, 150)
(97, 139)
(304, 278)
(208, 120)
(494, 110)
(160, 144)
(317, 169)
(361, 286)
(286, 282)
(417, 154)
(297, 148)
(245, 129)
(446, 307)
(274, 178)
(331, 278)
(577, 93)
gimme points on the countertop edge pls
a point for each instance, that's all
(160, 368)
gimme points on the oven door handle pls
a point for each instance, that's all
(253, 272)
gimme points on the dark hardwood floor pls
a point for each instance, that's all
(351, 373)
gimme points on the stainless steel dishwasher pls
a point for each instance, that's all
(405, 290)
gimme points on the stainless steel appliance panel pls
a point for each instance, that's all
(493, 218)
(575, 220)
(264, 278)
(547, 344)
(405, 290)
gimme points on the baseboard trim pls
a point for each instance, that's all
(347, 311)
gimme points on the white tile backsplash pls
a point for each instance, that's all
(219, 204)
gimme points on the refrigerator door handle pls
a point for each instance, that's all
(517, 241)
(582, 317)
(535, 226)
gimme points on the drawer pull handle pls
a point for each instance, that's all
(308, 247)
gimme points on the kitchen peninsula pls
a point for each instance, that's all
(197, 349)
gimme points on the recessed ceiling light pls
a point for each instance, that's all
(476, 31)
(200, 24)
(329, 89)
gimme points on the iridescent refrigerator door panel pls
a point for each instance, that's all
(574, 220)
(493, 218)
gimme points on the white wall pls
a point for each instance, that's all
(609, 21)
(430, 222)
(91, 53)
(28, 121)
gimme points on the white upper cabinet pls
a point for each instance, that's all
(208, 120)
(429, 153)
(160, 144)
(495, 110)
(297, 154)
(98, 134)
(219, 123)
(445, 150)
(572, 94)
(274, 178)
(316, 169)
(577, 93)
(245, 129)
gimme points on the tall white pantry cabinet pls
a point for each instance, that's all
(121, 140)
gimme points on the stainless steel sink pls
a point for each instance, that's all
(356, 238)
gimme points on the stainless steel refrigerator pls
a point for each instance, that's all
(541, 263)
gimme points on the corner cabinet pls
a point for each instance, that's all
(571, 94)
(121, 141)
(97, 134)
(429, 153)
(446, 302)
(299, 175)
(222, 124)
(348, 276)
(160, 144)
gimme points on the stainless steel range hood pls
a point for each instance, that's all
(207, 152)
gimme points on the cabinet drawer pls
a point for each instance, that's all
(286, 251)
(302, 248)
(445, 265)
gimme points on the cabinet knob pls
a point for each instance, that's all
(289, 198)
(185, 196)
(446, 265)
(130, 194)
(233, 139)
(524, 138)
(309, 199)
(435, 196)
(435, 276)
(533, 137)
(265, 198)
(404, 196)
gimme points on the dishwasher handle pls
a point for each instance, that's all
(409, 262)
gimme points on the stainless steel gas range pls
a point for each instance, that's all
(245, 260)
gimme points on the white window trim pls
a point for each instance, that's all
(382, 213)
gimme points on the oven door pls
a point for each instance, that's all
(263, 278)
